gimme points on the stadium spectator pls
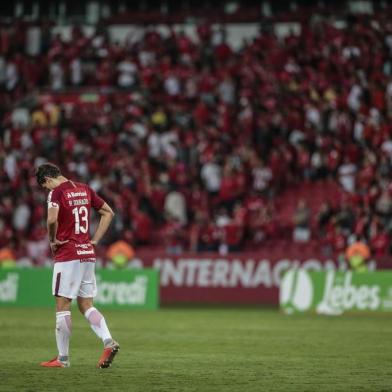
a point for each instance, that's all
(175, 206)
(383, 206)
(36, 247)
(345, 218)
(358, 254)
(127, 73)
(301, 221)
(7, 258)
(211, 176)
(347, 172)
(204, 235)
(120, 253)
(56, 72)
(324, 217)
(173, 236)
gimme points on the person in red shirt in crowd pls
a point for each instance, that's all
(324, 217)
(174, 235)
(204, 235)
(228, 191)
(261, 226)
(142, 226)
(337, 241)
(380, 243)
(232, 236)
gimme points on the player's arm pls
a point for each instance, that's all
(53, 213)
(107, 215)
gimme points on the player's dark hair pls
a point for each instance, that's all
(47, 170)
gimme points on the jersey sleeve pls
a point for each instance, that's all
(53, 200)
(96, 201)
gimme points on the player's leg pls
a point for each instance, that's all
(63, 327)
(95, 318)
(97, 321)
(99, 326)
(63, 290)
(87, 291)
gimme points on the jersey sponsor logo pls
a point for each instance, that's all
(83, 246)
(84, 249)
(76, 194)
(52, 204)
(85, 252)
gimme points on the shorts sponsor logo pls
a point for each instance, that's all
(9, 288)
(89, 260)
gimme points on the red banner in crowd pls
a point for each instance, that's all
(245, 278)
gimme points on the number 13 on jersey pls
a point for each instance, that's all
(81, 219)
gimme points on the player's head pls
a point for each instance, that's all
(47, 174)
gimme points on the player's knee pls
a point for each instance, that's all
(63, 304)
(84, 304)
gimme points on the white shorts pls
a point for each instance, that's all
(73, 279)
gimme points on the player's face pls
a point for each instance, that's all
(48, 184)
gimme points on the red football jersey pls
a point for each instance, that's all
(74, 201)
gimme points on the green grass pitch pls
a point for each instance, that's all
(202, 349)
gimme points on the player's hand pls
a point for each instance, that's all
(94, 243)
(55, 244)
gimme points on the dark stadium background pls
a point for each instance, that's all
(217, 130)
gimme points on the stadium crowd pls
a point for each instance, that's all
(194, 141)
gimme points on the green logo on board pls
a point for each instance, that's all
(9, 287)
(334, 292)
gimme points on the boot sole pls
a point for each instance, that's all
(108, 362)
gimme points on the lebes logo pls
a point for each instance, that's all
(341, 294)
(296, 291)
(331, 293)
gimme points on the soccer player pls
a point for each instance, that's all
(69, 205)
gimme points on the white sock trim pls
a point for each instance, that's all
(88, 312)
(63, 313)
